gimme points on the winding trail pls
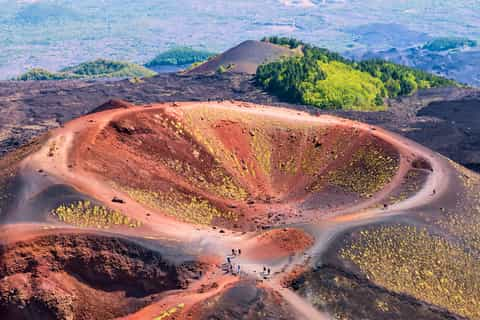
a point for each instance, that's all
(54, 161)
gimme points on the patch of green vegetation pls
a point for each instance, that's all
(327, 80)
(85, 214)
(180, 56)
(407, 260)
(89, 70)
(344, 88)
(194, 65)
(191, 209)
(284, 41)
(102, 68)
(225, 68)
(170, 312)
(444, 44)
(262, 147)
(216, 181)
(40, 74)
(401, 80)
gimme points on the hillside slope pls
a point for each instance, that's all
(244, 58)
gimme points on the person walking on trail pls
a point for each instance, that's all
(238, 269)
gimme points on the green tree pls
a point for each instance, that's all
(393, 87)
(327, 80)
(180, 56)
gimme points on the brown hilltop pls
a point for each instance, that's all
(244, 58)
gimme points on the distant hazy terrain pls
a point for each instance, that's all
(456, 62)
(57, 34)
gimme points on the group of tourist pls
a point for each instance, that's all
(234, 269)
(231, 267)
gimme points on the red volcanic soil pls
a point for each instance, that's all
(85, 276)
(278, 243)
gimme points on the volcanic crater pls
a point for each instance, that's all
(158, 195)
(237, 167)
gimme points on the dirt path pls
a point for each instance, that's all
(53, 159)
(180, 303)
(305, 310)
